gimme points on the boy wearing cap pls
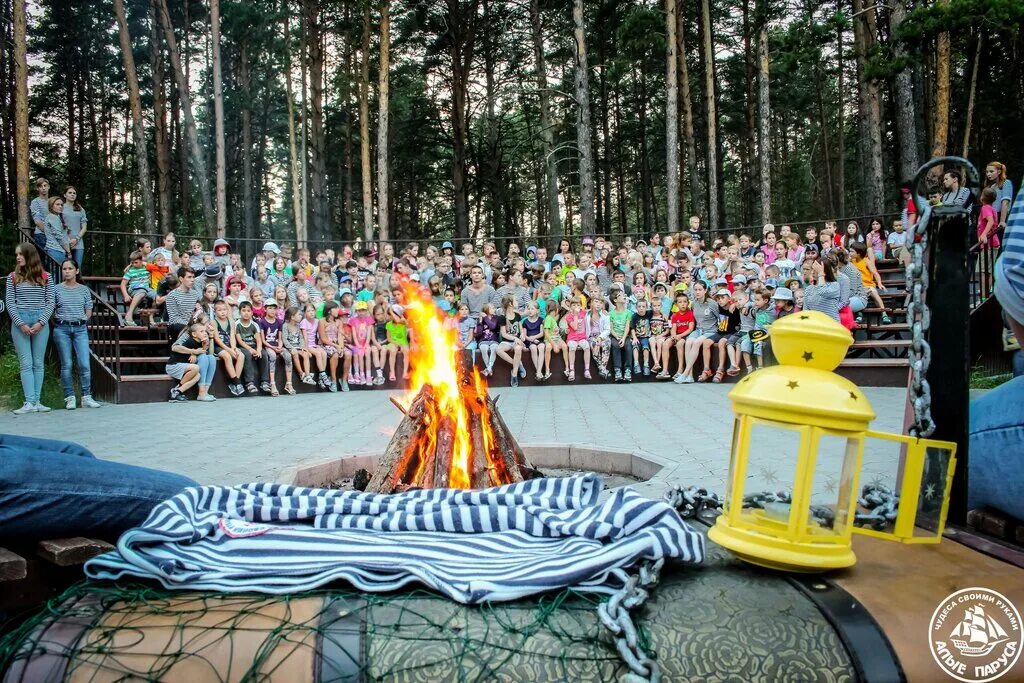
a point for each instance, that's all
(270, 327)
(728, 325)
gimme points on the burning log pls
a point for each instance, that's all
(423, 451)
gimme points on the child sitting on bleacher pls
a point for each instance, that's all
(136, 287)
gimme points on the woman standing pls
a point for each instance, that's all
(30, 303)
(73, 310)
(57, 245)
(76, 223)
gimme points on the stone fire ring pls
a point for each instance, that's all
(651, 471)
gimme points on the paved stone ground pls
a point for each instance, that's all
(263, 439)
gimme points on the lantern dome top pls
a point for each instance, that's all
(803, 389)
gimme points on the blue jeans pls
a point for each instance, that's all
(995, 473)
(57, 255)
(207, 369)
(30, 350)
(54, 489)
(40, 239)
(75, 338)
(78, 253)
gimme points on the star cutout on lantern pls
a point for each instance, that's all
(830, 485)
(768, 476)
(876, 482)
(808, 356)
(929, 492)
(853, 395)
(805, 317)
(793, 384)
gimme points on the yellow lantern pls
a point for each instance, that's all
(810, 425)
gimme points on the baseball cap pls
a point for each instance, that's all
(790, 281)
(783, 294)
(721, 281)
(662, 285)
(447, 245)
(415, 277)
(739, 279)
(270, 246)
(344, 290)
(772, 282)
(750, 266)
(268, 304)
(679, 288)
(723, 292)
(361, 306)
(588, 241)
(343, 311)
(213, 271)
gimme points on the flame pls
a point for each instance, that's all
(436, 361)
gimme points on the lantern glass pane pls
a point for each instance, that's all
(880, 480)
(832, 485)
(772, 454)
(928, 517)
(733, 458)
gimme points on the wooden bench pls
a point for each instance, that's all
(34, 571)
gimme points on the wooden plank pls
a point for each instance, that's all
(902, 584)
(392, 464)
(12, 566)
(67, 552)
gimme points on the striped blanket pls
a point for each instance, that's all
(473, 546)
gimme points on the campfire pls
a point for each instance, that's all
(452, 435)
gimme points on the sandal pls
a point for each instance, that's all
(289, 389)
(732, 372)
(572, 376)
(718, 377)
(705, 376)
(274, 391)
(586, 374)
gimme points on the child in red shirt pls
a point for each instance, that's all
(681, 324)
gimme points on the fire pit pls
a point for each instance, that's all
(452, 435)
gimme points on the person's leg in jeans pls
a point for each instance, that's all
(207, 369)
(78, 253)
(248, 368)
(23, 349)
(39, 341)
(80, 344)
(62, 339)
(65, 491)
(995, 474)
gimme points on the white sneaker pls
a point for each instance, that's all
(88, 402)
(69, 403)
(207, 398)
(40, 408)
(679, 379)
(27, 408)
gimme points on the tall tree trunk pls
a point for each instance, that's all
(190, 123)
(712, 116)
(690, 141)
(218, 120)
(586, 154)
(364, 125)
(940, 110)
(671, 116)
(248, 202)
(764, 122)
(971, 92)
(462, 35)
(304, 113)
(554, 222)
(135, 101)
(825, 145)
(620, 174)
(293, 153)
(347, 203)
(383, 87)
(21, 111)
(841, 142)
(903, 98)
(160, 142)
(317, 145)
(865, 35)
(491, 160)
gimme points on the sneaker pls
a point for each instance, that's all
(69, 403)
(177, 396)
(25, 409)
(586, 374)
(40, 408)
(344, 385)
(265, 387)
(618, 375)
(636, 368)
(308, 379)
(572, 375)
(207, 398)
(886, 320)
(647, 371)
(859, 319)
(678, 378)
(251, 388)
(379, 379)
(515, 380)
(88, 402)
(687, 379)
(323, 379)
(332, 387)
(238, 389)
(628, 376)
(522, 371)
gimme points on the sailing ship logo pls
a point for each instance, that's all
(978, 634)
(975, 635)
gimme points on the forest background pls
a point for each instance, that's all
(341, 119)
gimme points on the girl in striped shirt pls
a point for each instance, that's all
(30, 303)
(74, 308)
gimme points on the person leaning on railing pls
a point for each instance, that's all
(30, 303)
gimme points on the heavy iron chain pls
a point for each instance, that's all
(616, 617)
(918, 314)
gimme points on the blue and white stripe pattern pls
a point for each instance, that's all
(494, 544)
(1009, 287)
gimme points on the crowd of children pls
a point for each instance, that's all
(669, 307)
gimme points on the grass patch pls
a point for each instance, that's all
(982, 380)
(11, 395)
